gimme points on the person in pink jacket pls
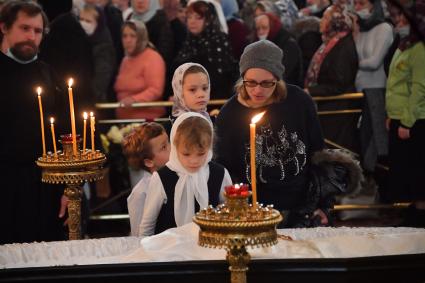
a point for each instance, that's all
(141, 77)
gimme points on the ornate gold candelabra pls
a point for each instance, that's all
(236, 225)
(72, 170)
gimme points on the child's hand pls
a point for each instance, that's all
(63, 208)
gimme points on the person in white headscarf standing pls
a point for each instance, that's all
(190, 180)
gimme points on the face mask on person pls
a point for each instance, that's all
(403, 31)
(262, 37)
(364, 13)
(88, 27)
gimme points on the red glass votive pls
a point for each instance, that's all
(237, 190)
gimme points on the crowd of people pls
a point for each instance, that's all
(261, 56)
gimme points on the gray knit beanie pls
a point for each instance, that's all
(262, 54)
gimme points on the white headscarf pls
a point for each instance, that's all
(219, 10)
(146, 16)
(189, 185)
(179, 106)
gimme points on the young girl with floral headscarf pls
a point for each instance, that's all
(189, 181)
(191, 87)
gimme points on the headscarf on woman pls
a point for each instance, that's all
(218, 12)
(275, 25)
(230, 9)
(212, 49)
(149, 13)
(340, 25)
(179, 106)
(289, 12)
(141, 34)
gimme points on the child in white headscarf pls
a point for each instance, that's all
(190, 180)
(191, 87)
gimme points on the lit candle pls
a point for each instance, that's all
(254, 120)
(40, 106)
(52, 127)
(92, 129)
(84, 131)
(71, 110)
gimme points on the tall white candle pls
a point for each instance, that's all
(252, 131)
(71, 110)
(84, 131)
(92, 129)
(52, 128)
(40, 107)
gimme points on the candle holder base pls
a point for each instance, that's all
(234, 226)
(73, 171)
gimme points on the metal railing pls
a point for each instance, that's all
(219, 102)
(113, 105)
(338, 207)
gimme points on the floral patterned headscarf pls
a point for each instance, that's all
(340, 22)
(179, 106)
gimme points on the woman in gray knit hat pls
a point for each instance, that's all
(286, 137)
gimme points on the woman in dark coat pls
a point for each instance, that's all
(332, 71)
(93, 22)
(207, 45)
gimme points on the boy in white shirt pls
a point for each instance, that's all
(147, 149)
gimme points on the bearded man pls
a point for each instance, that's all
(26, 205)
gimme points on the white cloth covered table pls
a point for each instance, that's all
(180, 244)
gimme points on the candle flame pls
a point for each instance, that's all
(236, 186)
(85, 115)
(70, 82)
(52, 120)
(257, 117)
(38, 90)
(91, 114)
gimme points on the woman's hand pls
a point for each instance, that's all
(323, 218)
(403, 133)
(126, 102)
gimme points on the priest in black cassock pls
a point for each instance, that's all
(28, 208)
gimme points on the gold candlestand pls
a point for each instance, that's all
(234, 226)
(73, 171)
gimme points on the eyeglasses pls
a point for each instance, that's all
(263, 84)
